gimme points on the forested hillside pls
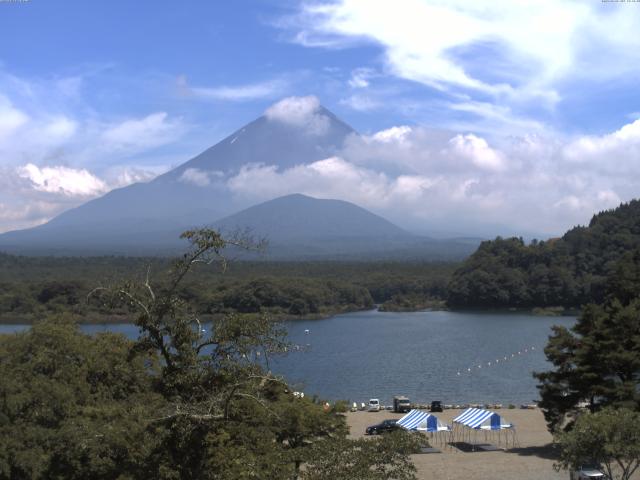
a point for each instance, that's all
(568, 271)
(34, 287)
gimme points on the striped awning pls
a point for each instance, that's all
(475, 417)
(417, 419)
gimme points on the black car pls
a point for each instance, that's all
(436, 406)
(385, 426)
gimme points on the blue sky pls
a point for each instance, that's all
(95, 95)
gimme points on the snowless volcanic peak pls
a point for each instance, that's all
(294, 131)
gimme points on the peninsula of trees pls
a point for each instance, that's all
(568, 272)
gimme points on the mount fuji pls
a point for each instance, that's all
(147, 218)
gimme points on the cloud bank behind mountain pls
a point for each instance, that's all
(421, 178)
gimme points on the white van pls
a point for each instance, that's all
(374, 405)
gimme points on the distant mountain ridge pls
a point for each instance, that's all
(299, 216)
(147, 218)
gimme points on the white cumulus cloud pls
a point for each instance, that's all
(626, 139)
(333, 177)
(393, 134)
(302, 112)
(200, 178)
(63, 180)
(31, 195)
(477, 150)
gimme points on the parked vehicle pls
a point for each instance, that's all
(374, 405)
(436, 406)
(384, 426)
(401, 404)
(588, 473)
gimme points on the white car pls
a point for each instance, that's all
(374, 405)
(588, 473)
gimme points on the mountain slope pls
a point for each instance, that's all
(299, 217)
(270, 142)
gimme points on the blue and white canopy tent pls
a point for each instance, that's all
(475, 420)
(425, 422)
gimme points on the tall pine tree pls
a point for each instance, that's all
(598, 360)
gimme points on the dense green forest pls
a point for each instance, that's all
(32, 287)
(567, 272)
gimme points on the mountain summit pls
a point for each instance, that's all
(272, 139)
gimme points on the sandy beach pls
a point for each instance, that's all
(532, 459)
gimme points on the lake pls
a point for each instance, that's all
(424, 355)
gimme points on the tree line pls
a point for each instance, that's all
(44, 286)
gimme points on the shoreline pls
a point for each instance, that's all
(128, 320)
(93, 319)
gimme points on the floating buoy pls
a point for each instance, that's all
(306, 332)
(496, 362)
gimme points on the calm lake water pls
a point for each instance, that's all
(424, 355)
